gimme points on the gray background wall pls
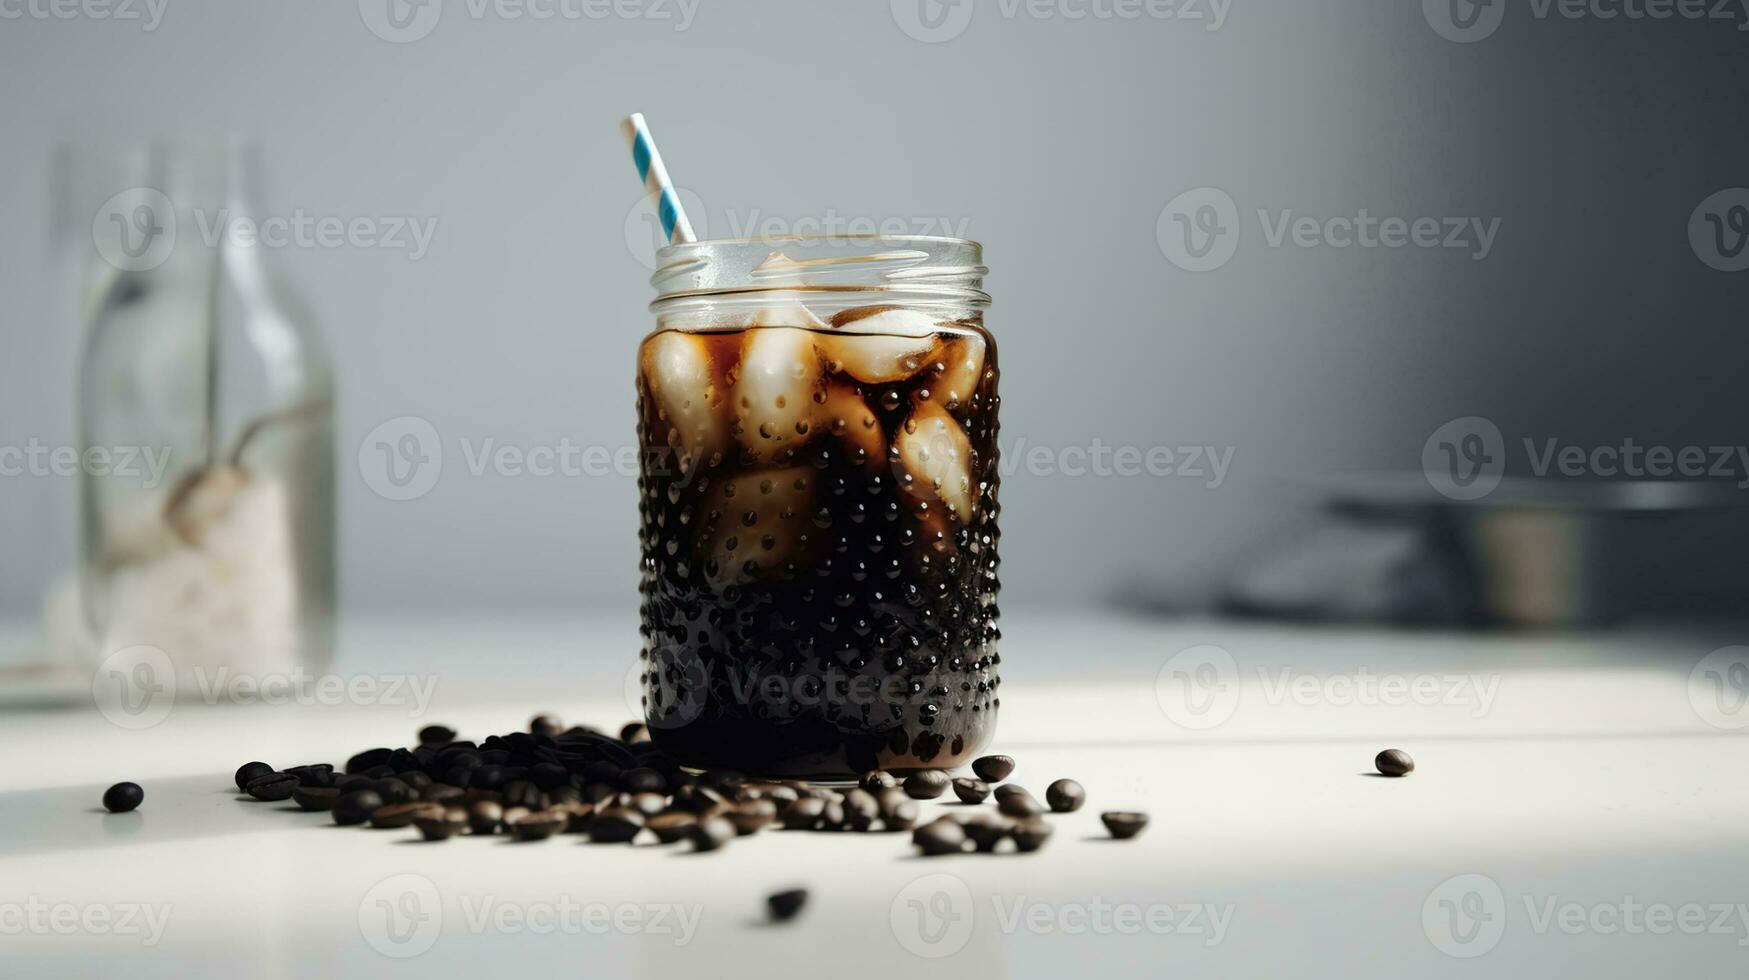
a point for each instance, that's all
(1055, 142)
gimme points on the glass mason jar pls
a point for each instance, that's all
(217, 555)
(818, 494)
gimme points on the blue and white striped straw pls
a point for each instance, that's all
(655, 177)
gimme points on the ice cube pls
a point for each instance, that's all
(778, 391)
(677, 369)
(937, 459)
(785, 313)
(962, 361)
(892, 320)
(761, 522)
(855, 424)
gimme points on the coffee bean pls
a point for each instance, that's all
(440, 793)
(578, 816)
(320, 774)
(513, 814)
(642, 780)
(635, 733)
(781, 795)
(251, 770)
(993, 768)
(549, 776)
(547, 725)
(598, 793)
(1124, 824)
(1065, 796)
(784, 905)
(539, 825)
(524, 793)
(971, 790)
(876, 779)
(711, 833)
(1394, 762)
(648, 804)
(441, 826)
(803, 814)
(943, 836)
(484, 816)
(123, 797)
(1020, 805)
(393, 816)
(698, 799)
(273, 787)
(832, 816)
(861, 809)
(986, 831)
(356, 807)
(368, 759)
(616, 825)
(926, 784)
(436, 735)
(1030, 835)
(672, 825)
(722, 780)
(752, 816)
(416, 779)
(900, 814)
(1006, 790)
(392, 791)
(315, 798)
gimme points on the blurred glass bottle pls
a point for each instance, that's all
(216, 545)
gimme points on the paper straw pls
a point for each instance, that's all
(655, 177)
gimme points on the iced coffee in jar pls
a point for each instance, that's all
(818, 498)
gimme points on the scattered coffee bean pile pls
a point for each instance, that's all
(553, 780)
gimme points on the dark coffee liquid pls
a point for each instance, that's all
(819, 530)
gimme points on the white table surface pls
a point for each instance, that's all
(1590, 782)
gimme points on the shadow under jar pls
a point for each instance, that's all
(818, 494)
